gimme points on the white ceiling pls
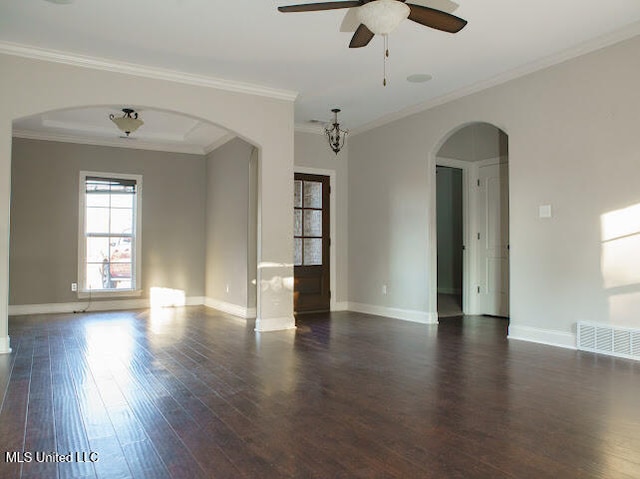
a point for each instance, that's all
(250, 41)
(161, 130)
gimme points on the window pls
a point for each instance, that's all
(109, 240)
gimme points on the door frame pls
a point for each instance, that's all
(468, 266)
(470, 175)
(332, 225)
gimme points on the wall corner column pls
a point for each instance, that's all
(5, 209)
(275, 234)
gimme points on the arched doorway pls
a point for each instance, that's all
(264, 118)
(471, 219)
(165, 216)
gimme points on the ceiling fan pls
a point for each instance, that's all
(380, 17)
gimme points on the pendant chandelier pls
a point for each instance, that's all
(335, 135)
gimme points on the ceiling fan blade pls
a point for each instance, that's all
(350, 22)
(362, 37)
(314, 7)
(437, 19)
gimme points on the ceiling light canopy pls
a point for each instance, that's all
(128, 122)
(383, 16)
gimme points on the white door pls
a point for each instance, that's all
(493, 240)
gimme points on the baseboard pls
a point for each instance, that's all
(109, 305)
(230, 308)
(194, 301)
(542, 336)
(396, 313)
(340, 306)
(275, 324)
(4, 345)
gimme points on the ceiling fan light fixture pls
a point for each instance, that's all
(128, 122)
(383, 16)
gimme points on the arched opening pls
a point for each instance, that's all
(471, 222)
(262, 117)
(187, 233)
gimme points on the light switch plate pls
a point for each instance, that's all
(544, 211)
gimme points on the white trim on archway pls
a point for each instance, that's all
(470, 175)
(36, 86)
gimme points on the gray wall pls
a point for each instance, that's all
(573, 144)
(227, 224)
(198, 229)
(476, 142)
(231, 216)
(44, 217)
(388, 218)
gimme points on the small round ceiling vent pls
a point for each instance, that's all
(419, 78)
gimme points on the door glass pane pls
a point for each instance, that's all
(297, 222)
(312, 194)
(297, 251)
(312, 222)
(297, 194)
(312, 251)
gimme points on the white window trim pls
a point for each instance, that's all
(82, 244)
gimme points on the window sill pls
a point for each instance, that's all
(121, 293)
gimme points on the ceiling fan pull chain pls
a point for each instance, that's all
(386, 55)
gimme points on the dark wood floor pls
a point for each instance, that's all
(449, 305)
(191, 393)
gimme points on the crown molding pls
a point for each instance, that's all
(95, 63)
(131, 143)
(598, 43)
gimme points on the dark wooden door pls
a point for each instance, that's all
(311, 243)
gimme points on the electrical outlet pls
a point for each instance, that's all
(384, 289)
(74, 287)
